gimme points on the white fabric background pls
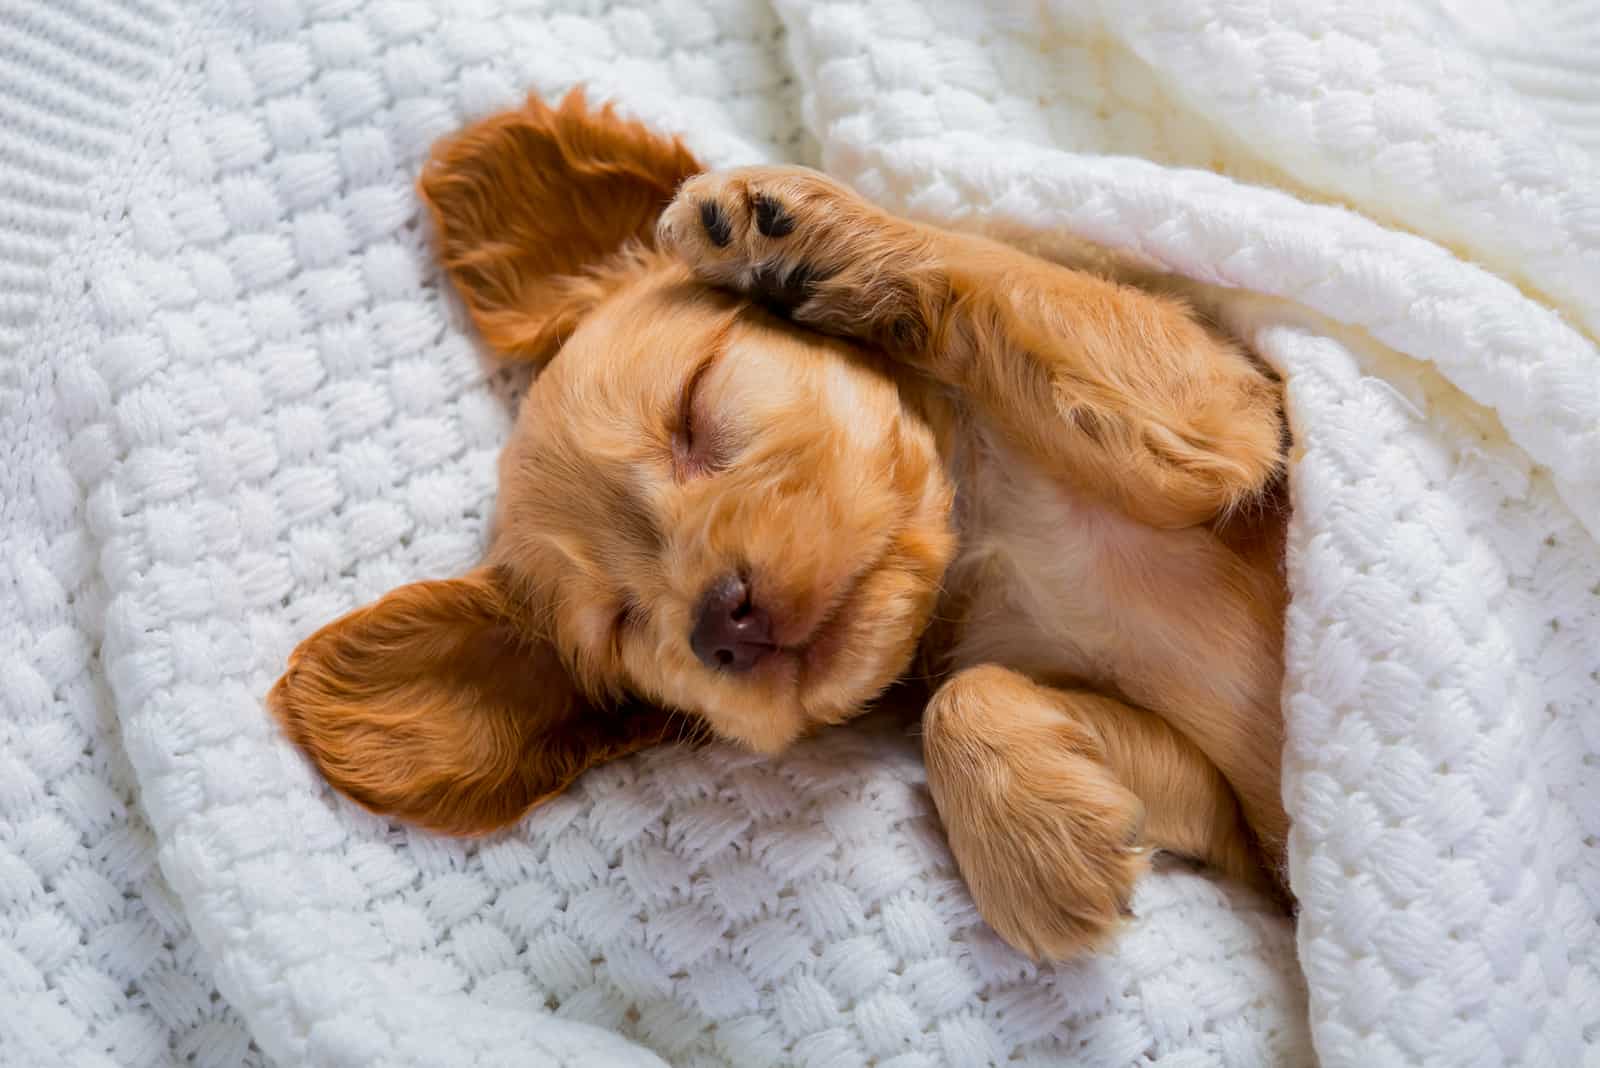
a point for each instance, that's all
(235, 403)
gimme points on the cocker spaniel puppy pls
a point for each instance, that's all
(786, 449)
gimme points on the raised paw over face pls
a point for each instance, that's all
(807, 248)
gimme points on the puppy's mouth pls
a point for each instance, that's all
(817, 653)
(805, 659)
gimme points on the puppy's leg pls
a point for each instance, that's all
(1053, 800)
(1118, 391)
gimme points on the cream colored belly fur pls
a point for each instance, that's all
(1070, 592)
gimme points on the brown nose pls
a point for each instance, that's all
(731, 632)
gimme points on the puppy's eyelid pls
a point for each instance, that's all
(686, 412)
(686, 450)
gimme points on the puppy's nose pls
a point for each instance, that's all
(731, 632)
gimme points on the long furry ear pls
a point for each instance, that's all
(536, 212)
(435, 706)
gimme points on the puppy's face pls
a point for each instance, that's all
(724, 514)
(702, 508)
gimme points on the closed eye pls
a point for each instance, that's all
(693, 442)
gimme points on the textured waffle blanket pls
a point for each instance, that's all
(235, 402)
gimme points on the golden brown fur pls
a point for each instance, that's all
(1055, 492)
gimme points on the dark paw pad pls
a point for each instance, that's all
(781, 292)
(771, 218)
(717, 226)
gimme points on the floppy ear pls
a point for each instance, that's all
(536, 211)
(433, 705)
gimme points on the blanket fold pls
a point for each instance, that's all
(236, 401)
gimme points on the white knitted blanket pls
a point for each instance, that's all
(234, 402)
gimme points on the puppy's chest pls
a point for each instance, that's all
(1050, 582)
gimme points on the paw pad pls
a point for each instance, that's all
(782, 291)
(771, 217)
(716, 223)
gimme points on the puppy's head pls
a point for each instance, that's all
(702, 508)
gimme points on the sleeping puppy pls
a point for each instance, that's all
(786, 449)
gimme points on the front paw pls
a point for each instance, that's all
(1225, 453)
(806, 248)
(1048, 840)
(1056, 884)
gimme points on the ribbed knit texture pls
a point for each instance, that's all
(72, 72)
(98, 966)
(236, 401)
(1548, 50)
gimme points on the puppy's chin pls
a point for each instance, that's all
(767, 729)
